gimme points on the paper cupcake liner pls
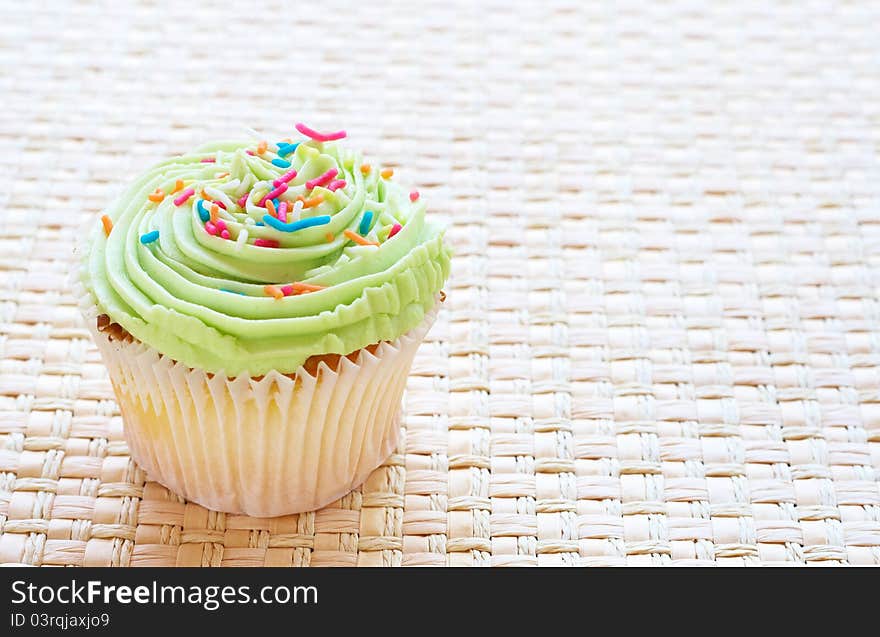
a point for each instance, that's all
(266, 447)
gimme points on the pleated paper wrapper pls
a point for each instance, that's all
(266, 447)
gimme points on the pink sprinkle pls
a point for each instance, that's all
(266, 243)
(414, 195)
(220, 224)
(287, 290)
(224, 234)
(208, 160)
(282, 211)
(242, 200)
(319, 137)
(283, 179)
(220, 203)
(251, 153)
(186, 194)
(210, 228)
(394, 230)
(335, 184)
(323, 179)
(280, 190)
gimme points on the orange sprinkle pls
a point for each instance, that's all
(365, 169)
(330, 238)
(108, 225)
(358, 239)
(221, 175)
(205, 196)
(156, 196)
(270, 206)
(306, 287)
(310, 203)
(214, 210)
(178, 186)
(387, 173)
(261, 147)
(274, 290)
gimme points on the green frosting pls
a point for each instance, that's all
(201, 299)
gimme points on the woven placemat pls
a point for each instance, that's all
(661, 342)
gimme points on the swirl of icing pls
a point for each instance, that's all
(242, 258)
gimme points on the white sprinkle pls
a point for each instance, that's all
(241, 239)
(296, 212)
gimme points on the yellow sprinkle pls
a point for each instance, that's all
(386, 173)
(108, 224)
(365, 169)
(274, 290)
(261, 147)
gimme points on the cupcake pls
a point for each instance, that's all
(258, 306)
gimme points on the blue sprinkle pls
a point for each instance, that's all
(295, 225)
(277, 202)
(259, 223)
(284, 149)
(204, 215)
(232, 291)
(281, 163)
(151, 236)
(364, 228)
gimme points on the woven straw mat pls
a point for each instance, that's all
(661, 343)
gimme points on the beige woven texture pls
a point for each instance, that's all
(661, 339)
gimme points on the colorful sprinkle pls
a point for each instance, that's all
(211, 229)
(220, 224)
(414, 195)
(274, 290)
(220, 203)
(358, 239)
(149, 237)
(224, 234)
(182, 198)
(319, 137)
(250, 152)
(178, 186)
(301, 288)
(286, 149)
(330, 238)
(262, 146)
(270, 206)
(365, 169)
(204, 215)
(266, 243)
(283, 179)
(366, 222)
(323, 179)
(281, 163)
(386, 173)
(310, 203)
(208, 160)
(394, 230)
(282, 211)
(214, 210)
(336, 184)
(232, 291)
(221, 175)
(242, 200)
(108, 224)
(156, 196)
(272, 194)
(295, 225)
